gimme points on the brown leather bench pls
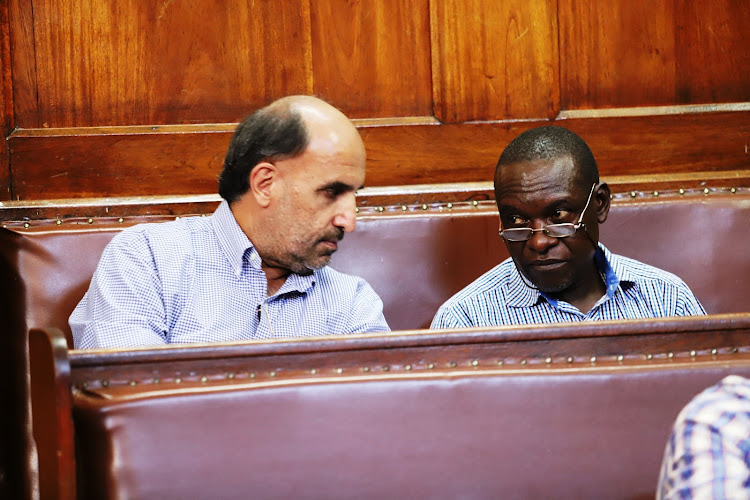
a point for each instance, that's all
(415, 256)
(549, 411)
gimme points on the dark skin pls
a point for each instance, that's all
(542, 192)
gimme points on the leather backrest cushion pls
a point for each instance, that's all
(416, 263)
(586, 433)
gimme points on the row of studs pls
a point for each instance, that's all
(507, 363)
(425, 206)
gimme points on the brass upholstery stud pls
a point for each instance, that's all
(380, 209)
(649, 356)
(452, 364)
(681, 191)
(356, 210)
(178, 380)
(431, 366)
(90, 221)
(714, 352)
(252, 375)
(633, 194)
(132, 383)
(692, 353)
(671, 355)
(156, 380)
(313, 371)
(177, 218)
(499, 362)
(733, 190)
(26, 225)
(475, 363)
(120, 220)
(230, 376)
(656, 193)
(593, 359)
(58, 222)
(404, 208)
(475, 203)
(548, 360)
(424, 207)
(407, 368)
(570, 359)
(105, 383)
(204, 379)
(706, 191)
(523, 362)
(620, 357)
(386, 368)
(339, 370)
(272, 374)
(735, 350)
(366, 369)
(449, 205)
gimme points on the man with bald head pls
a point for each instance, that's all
(255, 269)
(551, 203)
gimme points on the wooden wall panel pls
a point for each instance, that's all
(6, 116)
(616, 53)
(188, 163)
(108, 62)
(372, 59)
(494, 60)
(23, 61)
(712, 51)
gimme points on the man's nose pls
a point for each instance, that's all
(541, 241)
(346, 218)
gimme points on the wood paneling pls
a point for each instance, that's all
(494, 60)
(372, 59)
(616, 53)
(712, 50)
(109, 62)
(23, 61)
(6, 117)
(188, 163)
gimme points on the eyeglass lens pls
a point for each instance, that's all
(554, 230)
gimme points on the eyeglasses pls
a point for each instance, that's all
(563, 230)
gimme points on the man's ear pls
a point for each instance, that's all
(603, 197)
(261, 181)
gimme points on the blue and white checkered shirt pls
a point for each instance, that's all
(634, 290)
(708, 453)
(199, 279)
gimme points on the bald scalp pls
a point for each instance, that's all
(280, 131)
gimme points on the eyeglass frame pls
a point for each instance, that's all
(576, 226)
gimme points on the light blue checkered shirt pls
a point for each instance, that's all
(199, 279)
(708, 453)
(634, 290)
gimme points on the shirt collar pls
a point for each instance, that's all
(236, 245)
(520, 294)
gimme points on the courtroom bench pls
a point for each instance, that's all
(544, 411)
(415, 255)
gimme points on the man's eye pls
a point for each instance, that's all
(561, 214)
(515, 220)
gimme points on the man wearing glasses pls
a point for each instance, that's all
(551, 203)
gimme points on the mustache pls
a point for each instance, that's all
(336, 235)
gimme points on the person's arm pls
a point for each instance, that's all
(123, 306)
(446, 318)
(367, 311)
(707, 453)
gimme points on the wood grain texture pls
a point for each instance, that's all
(122, 63)
(616, 53)
(23, 61)
(372, 59)
(494, 60)
(77, 166)
(6, 107)
(712, 51)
